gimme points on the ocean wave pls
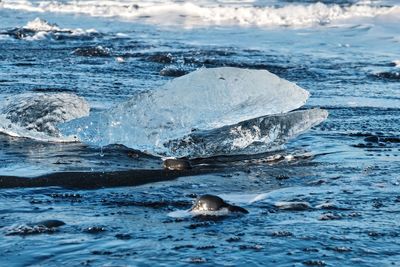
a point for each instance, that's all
(190, 14)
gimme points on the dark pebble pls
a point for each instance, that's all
(314, 263)
(282, 177)
(281, 233)
(250, 247)
(183, 246)
(197, 260)
(372, 139)
(94, 230)
(51, 223)
(233, 239)
(177, 164)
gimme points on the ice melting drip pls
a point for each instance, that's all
(37, 115)
(206, 99)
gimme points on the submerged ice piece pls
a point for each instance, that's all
(253, 136)
(204, 99)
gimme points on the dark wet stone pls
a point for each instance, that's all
(377, 204)
(354, 214)
(51, 223)
(314, 263)
(100, 252)
(282, 177)
(97, 51)
(389, 75)
(391, 139)
(38, 201)
(311, 250)
(293, 206)
(317, 182)
(281, 234)
(233, 239)
(361, 145)
(172, 71)
(20, 33)
(197, 260)
(43, 227)
(161, 58)
(183, 246)
(251, 247)
(94, 229)
(374, 234)
(330, 206)
(177, 164)
(372, 139)
(123, 236)
(341, 249)
(214, 203)
(66, 195)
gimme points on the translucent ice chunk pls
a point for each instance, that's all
(253, 136)
(204, 99)
(36, 115)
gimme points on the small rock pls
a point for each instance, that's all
(372, 139)
(251, 247)
(233, 239)
(94, 230)
(281, 233)
(294, 206)
(177, 164)
(51, 223)
(197, 260)
(314, 263)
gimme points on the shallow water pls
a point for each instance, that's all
(349, 65)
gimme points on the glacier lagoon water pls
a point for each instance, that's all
(346, 169)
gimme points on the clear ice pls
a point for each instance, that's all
(202, 104)
(36, 115)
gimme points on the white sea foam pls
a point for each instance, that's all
(41, 25)
(203, 13)
(40, 29)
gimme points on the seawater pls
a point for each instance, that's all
(345, 53)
